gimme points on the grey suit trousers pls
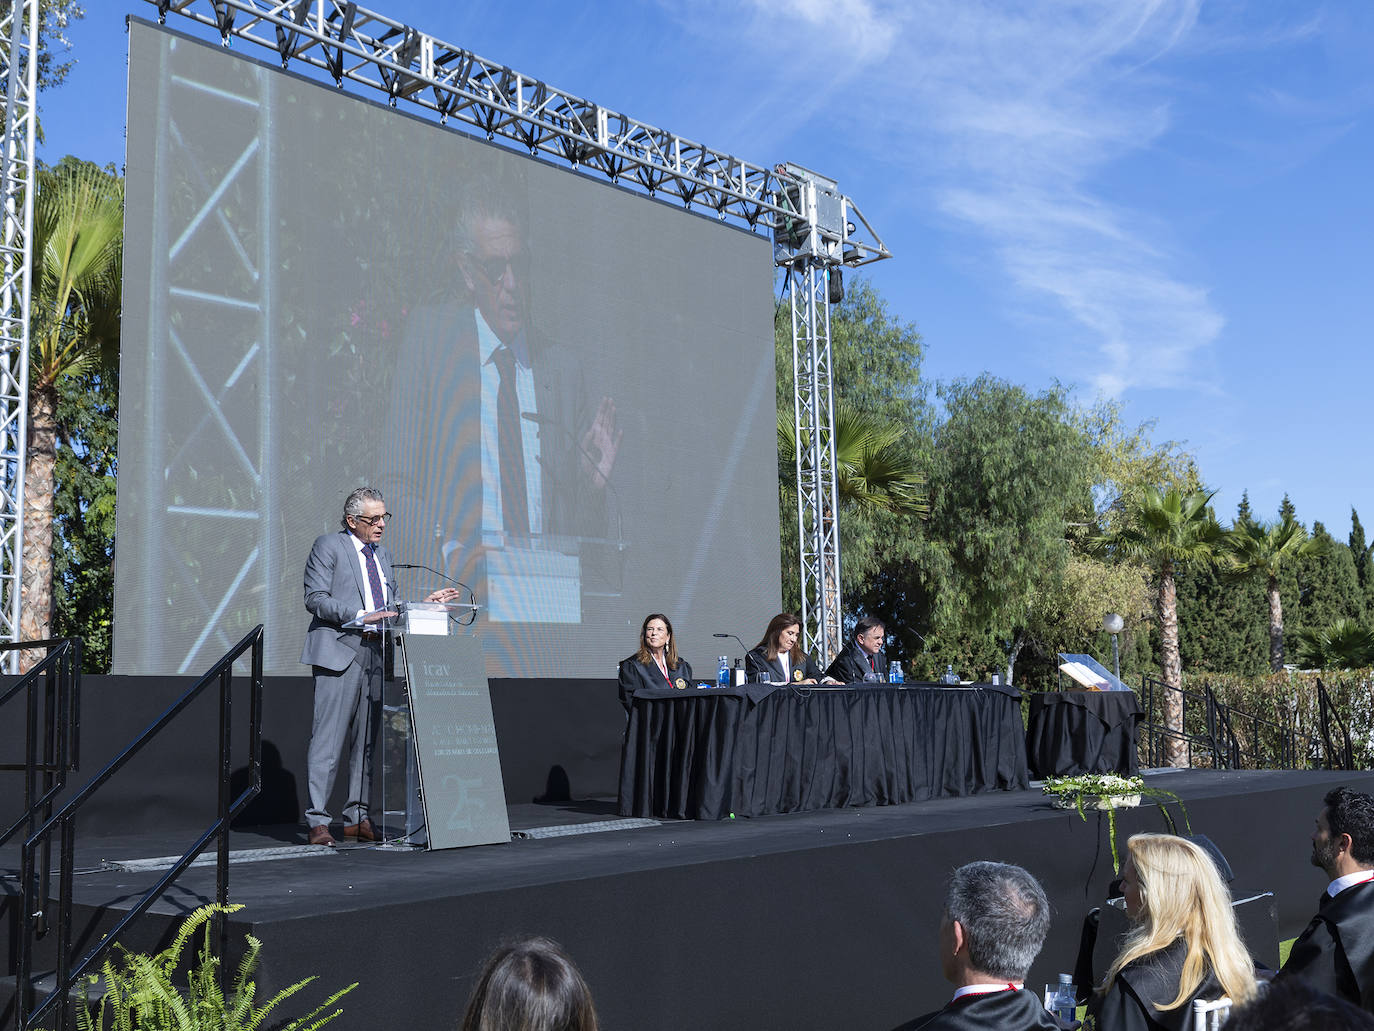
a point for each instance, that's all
(348, 710)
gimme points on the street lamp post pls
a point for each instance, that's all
(1114, 624)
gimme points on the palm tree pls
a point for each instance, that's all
(872, 468)
(1344, 644)
(78, 237)
(1165, 530)
(1259, 549)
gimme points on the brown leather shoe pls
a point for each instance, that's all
(362, 830)
(320, 836)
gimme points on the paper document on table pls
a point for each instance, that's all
(1088, 672)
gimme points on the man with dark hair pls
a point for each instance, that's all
(863, 656)
(1294, 1005)
(995, 921)
(1335, 954)
(349, 589)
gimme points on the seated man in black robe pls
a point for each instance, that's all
(995, 921)
(1335, 954)
(863, 656)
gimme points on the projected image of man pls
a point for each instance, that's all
(544, 453)
(495, 267)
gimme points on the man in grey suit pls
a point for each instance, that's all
(348, 580)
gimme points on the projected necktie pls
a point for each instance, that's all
(374, 575)
(515, 509)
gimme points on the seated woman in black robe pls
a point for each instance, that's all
(1184, 946)
(779, 655)
(656, 664)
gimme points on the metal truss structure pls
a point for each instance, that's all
(19, 68)
(815, 228)
(236, 389)
(814, 244)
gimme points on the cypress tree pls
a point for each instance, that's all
(1328, 588)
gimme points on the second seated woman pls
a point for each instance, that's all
(779, 655)
(656, 664)
(1184, 945)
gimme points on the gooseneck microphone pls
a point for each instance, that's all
(743, 649)
(472, 597)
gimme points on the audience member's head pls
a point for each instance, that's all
(530, 986)
(1291, 1004)
(1173, 890)
(995, 921)
(1344, 839)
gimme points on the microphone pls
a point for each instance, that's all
(736, 639)
(472, 598)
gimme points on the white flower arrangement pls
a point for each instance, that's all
(1109, 792)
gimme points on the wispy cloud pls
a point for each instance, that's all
(1006, 117)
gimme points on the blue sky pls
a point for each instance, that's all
(1166, 202)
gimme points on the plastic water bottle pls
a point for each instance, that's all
(723, 672)
(894, 673)
(1062, 999)
(949, 677)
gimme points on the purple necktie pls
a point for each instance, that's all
(510, 447)
(374, 576)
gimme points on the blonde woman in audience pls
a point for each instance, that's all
(530, 986)
(1184, 945)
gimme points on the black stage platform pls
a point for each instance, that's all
(811, 920)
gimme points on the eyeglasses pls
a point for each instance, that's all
(496, 269)
(373, 520)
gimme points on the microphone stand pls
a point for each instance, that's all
(472, 598)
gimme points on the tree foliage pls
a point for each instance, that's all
(1008, 474)
(1166, 530)
(54, 19)
(1344, 644)
(74, 330)
(1262, 551)
(84, 514)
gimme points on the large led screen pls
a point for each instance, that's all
(564, 389)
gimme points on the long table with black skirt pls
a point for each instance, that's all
(705, 754)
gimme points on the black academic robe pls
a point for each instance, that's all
(998, 1011)
(852, 665)
(635, 674)
(1132, 1002)
(757, 661)
(1335, 954)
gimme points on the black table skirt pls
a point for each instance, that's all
(706, 755)
(1073, 732)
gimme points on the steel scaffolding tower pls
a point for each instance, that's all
(19, 66)
(816, 229)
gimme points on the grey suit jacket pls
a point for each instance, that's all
(334, 592)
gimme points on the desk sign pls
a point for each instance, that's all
(455, 742)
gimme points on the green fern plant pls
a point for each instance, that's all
(141, 992)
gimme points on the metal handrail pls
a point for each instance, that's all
(1327, 715)
(1225, 744)
(63, 823)
(58, 676)
(1158, 732)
